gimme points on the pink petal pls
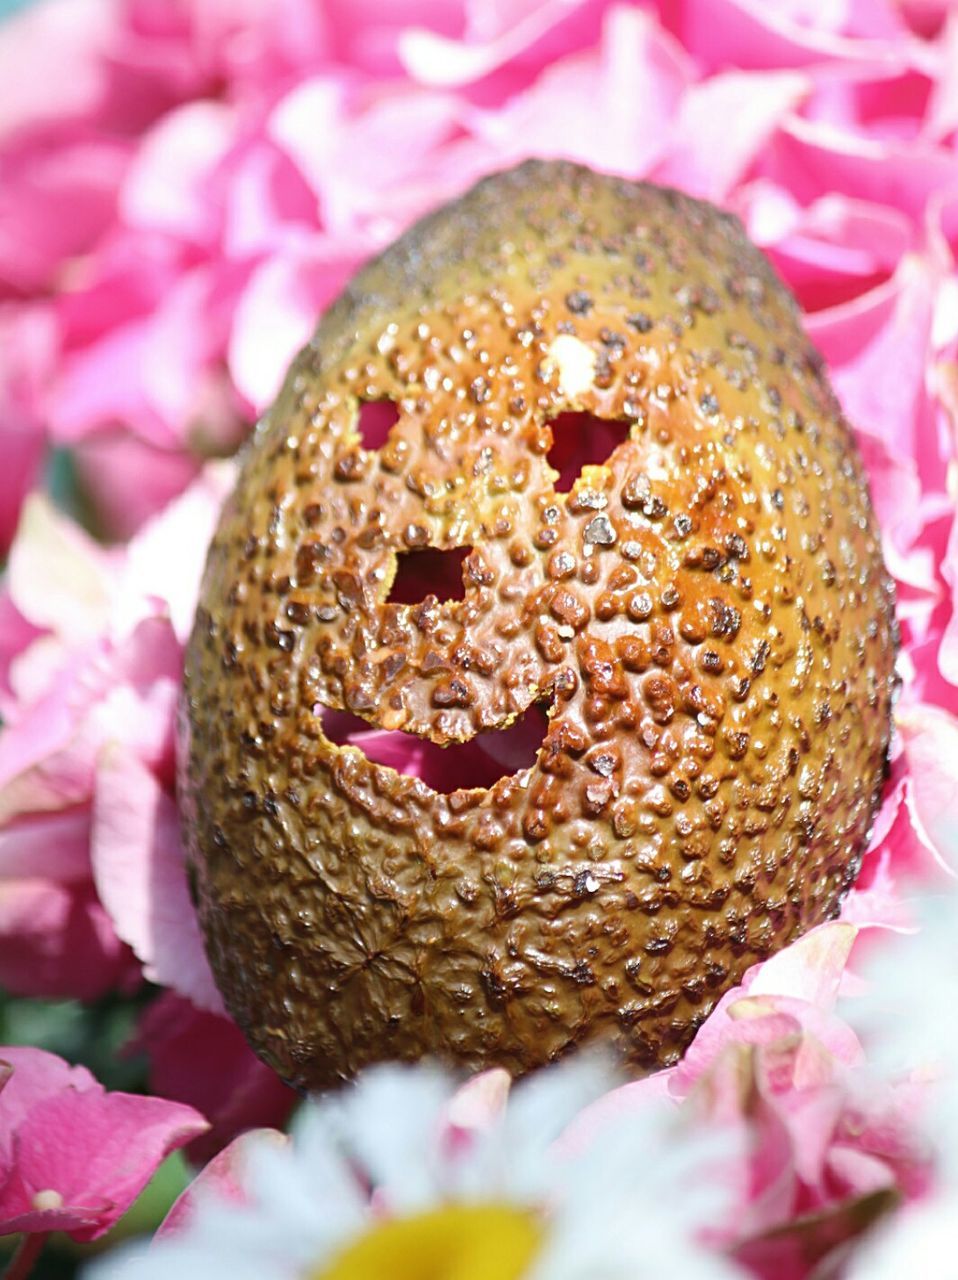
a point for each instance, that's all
(811, 157)
(95, 1151)
(877, 351)
(140, 873)
(930, 738)
(723, 124)
(948, 653)
(39, 180)
(57, 941)
(832, 250)
(222, 1177)
(27, 341)
(613, 107)
(165, 560)
(130, 481)
(59, 579)
(500, 33)
(165, 186)
(203, 1059)
(52, 846)
(750, 33)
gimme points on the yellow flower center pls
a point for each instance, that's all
(458, 1242)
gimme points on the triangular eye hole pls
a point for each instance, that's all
(376, 419)
(429, 572)
(481, 762)
(580, 440)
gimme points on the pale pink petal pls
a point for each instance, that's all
(354, 155)
(277, 314)
(165, 561)
(58, 578)
(166, 185)
(480, 1101)
(498, 34)
(223, 1177)
(140, 873)
(17, 635)
(125, 692)
(613, 107)
(60, 44)
(942, 116)
(723, 124)
(54, 846)
(930, 738)
(810, 969)
(266, 200)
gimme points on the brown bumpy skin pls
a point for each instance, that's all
(705, 614)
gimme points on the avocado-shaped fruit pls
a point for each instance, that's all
(700, 618)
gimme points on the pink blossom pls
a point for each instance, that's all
(72, 1156)
(824, 1145)
(227, 165)
(96, 683)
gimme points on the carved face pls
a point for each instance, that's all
(701, 611)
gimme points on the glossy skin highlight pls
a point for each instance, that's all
(706, 615)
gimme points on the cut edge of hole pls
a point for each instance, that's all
(569, 453)
(428, 571)
(516, 749)
(374, 421)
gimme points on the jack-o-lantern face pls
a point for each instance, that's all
(697, 627)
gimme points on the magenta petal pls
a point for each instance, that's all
(73, 1157)
(203, 1059)
(57, 941)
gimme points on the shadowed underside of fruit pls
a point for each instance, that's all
(702, 621)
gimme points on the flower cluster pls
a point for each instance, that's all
(183, 187)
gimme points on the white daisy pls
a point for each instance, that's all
(377, 1183)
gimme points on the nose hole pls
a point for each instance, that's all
(429, 572)
(376, 420)
(481, 762)
(580, 440)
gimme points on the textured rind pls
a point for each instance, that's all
(706, 614)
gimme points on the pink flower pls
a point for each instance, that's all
(227, 165)
(823, 1145)
(72, 1156)
(96, 683)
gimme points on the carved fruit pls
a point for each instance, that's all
(704, 615)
